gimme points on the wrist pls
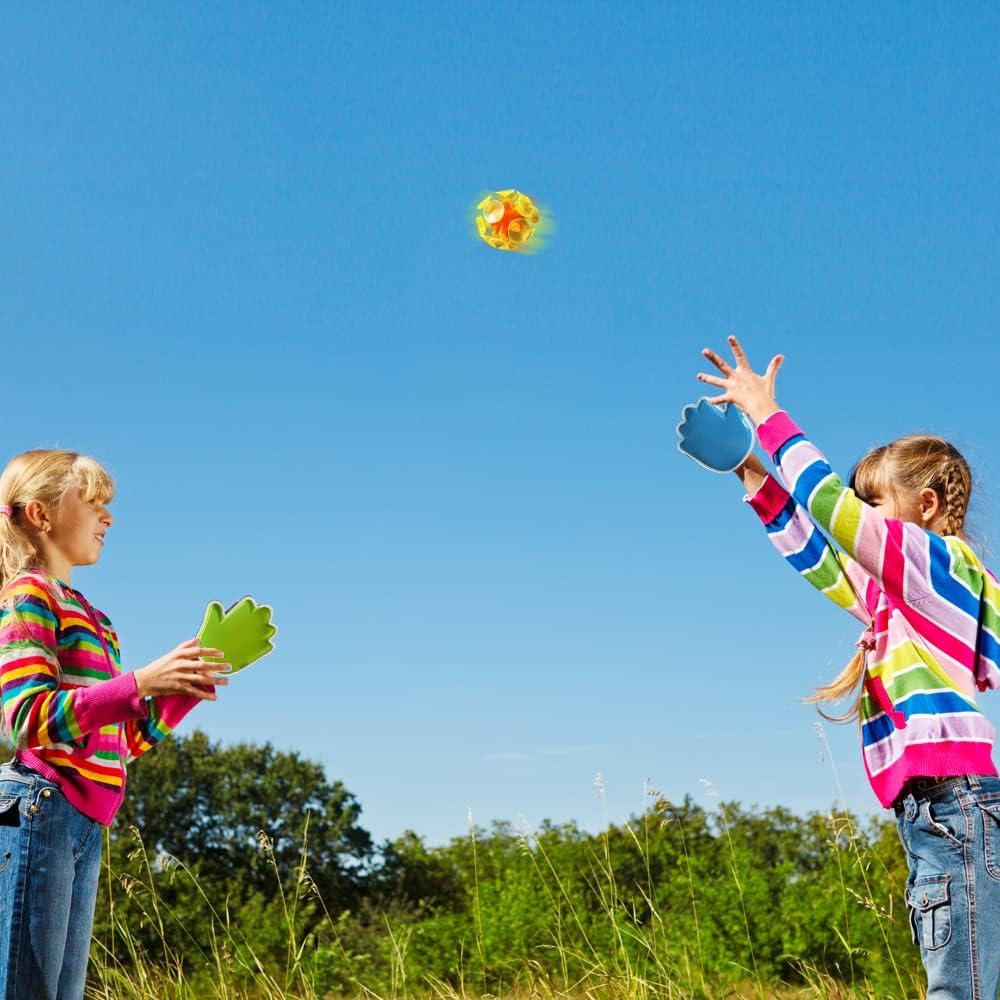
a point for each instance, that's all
(759, 413)
(140, 682)
(751, 474)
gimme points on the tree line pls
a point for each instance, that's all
(255, 855)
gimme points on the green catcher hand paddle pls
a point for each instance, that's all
(243, 632)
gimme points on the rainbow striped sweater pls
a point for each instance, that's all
(71, 713)
(931, 607)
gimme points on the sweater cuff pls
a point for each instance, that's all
(115, 700)
(776, 431)
(174, 707)
(769, 500)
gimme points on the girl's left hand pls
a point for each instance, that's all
(752, 393)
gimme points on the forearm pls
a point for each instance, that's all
(165, 713)
(40, 713)
(751, 474)
(859, 529)
(801, 543)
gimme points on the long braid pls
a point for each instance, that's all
(956, 495)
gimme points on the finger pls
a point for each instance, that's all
(204, 667)
(213, 670)
(192, 679)
(712, 380)
(211, 681)
(203, 653)
(738, 353)
(719, 362)
(772, 369)
(719, 400)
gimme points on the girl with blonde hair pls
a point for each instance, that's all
(931, 612)
(74, 718)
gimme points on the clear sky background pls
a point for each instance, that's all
(238, 266)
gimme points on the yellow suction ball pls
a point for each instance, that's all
(511, 220)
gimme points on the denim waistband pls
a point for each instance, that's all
(23, 772)
(924, 788)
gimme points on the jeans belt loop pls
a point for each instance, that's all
(910, 807)
(973, 780)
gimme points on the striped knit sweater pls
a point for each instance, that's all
(932, 608)
(71, 713)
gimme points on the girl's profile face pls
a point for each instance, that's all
(79, 527)
(917, 509)
(890, 506)
(873, 482)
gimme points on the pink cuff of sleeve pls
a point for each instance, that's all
(115, 700)
(775, 431)
(142, 704)
(769, 500)
(174, 707)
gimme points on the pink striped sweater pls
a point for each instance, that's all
(71, 713)
(932, 607)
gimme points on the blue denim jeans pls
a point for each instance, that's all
(951, 833)
(50, 862)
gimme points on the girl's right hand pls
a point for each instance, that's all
(752, 393)
(182, 671)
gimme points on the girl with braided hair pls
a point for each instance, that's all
(889, 548)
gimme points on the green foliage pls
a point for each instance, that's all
(278, 891)
(236, 818)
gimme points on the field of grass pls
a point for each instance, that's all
(545, 914)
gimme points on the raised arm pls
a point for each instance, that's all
(802, 544)
(902, 558)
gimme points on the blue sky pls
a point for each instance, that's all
(238, 268)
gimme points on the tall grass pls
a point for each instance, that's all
(598, 938)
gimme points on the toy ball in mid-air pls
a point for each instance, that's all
(510, 220)
(243, 632)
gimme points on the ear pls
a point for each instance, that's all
(37, 514)
(930, 506)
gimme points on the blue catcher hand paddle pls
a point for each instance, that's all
(718, 437)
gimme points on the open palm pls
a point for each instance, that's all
(741, 385)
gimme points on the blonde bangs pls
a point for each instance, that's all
(95, 482)
(870, 478)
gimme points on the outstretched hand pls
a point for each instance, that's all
(183, 670)
(742, 386)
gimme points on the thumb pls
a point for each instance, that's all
(772, 369)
